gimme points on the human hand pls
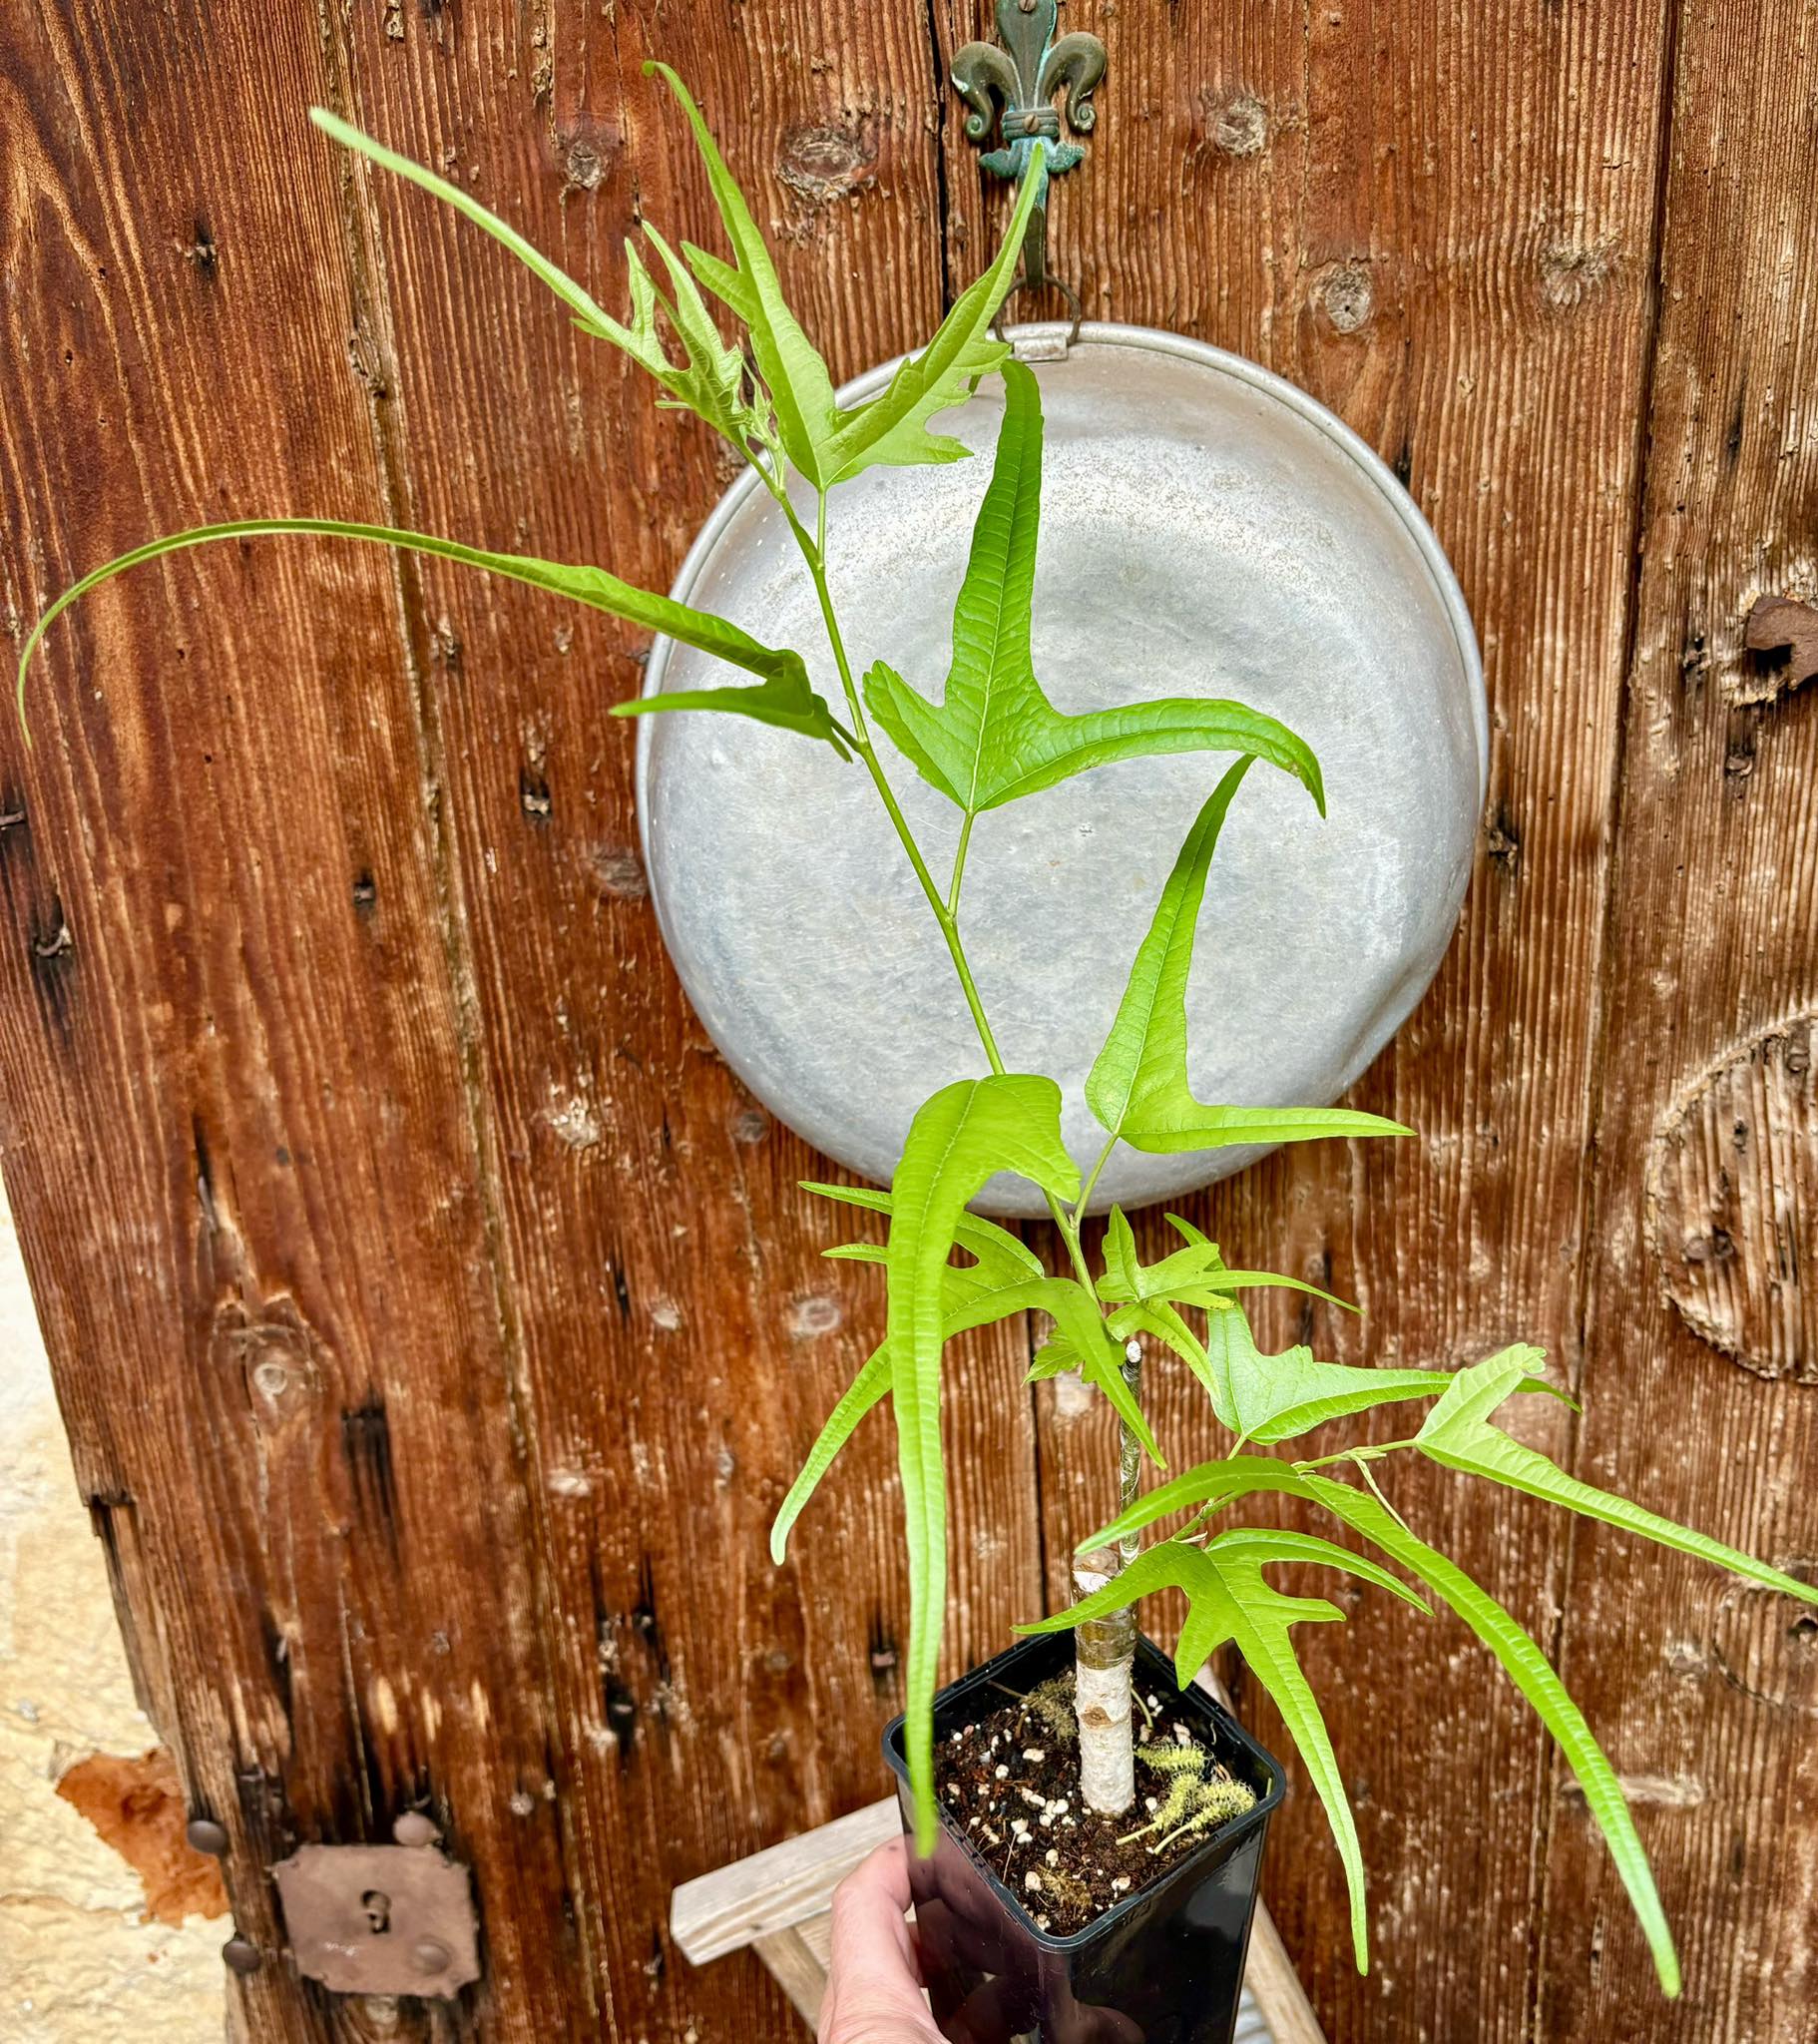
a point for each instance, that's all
(874, 1988)
(874, 1980)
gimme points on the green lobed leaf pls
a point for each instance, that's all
(994, 737)
(801, 391)
(1138, 1086)
(997, 1253)
(1207, 1486)
(1000, 1262)
(782, 698)
(1006, 1278)
(1229, 1598)
(1529, 1671)
(960, 1138)
(1214, 1485)
(711, 380)
(1270, 1398)
(1458, 1435)
(892, 429)
(1194, 1276)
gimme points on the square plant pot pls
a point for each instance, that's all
(1165, 1966)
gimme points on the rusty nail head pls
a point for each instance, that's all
(206, 1835)
(414, 1828)
(241, 1955)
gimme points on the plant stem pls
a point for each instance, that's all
(945, 912)
(959, 865)
(862, 743)
(1092, 1178)
(1104, 1648)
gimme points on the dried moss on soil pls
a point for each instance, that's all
(1010, 1779)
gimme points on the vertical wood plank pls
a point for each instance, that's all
(571, 1328)
(1708, 1692)
(379, 1191)
(237, 1132)
(1440, 221)
(681, 1340)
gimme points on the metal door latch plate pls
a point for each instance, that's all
(380, 1919)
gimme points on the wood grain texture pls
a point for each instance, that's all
(450, 1022)
(437, 1322)
(1441, 222)
(247, 1175)
(1713, 964)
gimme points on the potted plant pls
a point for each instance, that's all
(1090, 1836)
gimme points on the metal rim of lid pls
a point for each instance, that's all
(1050, 334)
(1052, 341)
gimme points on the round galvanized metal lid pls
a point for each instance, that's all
(1206, 529)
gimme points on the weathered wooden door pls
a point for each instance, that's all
(437, 1324)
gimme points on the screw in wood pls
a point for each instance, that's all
(241, 1955)
(206, 1835)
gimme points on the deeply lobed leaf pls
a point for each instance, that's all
(1270, 1398)
(1458, 1435)
(825, 444)
(1527, 1668)
(1229, 1598)
(1214, 1485)
(994, 736)
(801, 391)
(960, 1138)
(1138, 1086)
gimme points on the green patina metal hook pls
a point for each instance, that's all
(1025, 75)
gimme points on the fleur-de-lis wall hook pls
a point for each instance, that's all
(1025, 76)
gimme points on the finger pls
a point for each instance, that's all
(873, 1992)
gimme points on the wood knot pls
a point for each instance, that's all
(814, 1314)
(1572, 270)
(1731, 1187)
(827, 162)
(1239, 125)
(1344, 296)
(1766, 1645)
(618, 871)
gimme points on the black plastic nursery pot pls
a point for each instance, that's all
(1165, 1966)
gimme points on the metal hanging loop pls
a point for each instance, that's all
(1023, 79)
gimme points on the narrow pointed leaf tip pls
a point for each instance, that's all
(781, 697)
(994, 736)
(1138, 1086)
(533, 259)
(1214, 1485)
(1458, 1434)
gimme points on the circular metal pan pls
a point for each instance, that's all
(1207, 529)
